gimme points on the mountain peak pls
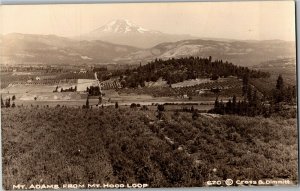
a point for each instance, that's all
(122, 26)
(125, 32)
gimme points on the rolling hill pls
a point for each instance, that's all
(245, 53)
(55, 50)
(285, 67)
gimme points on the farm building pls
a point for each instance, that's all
(83, 71)
(202, 91)
(185, 96)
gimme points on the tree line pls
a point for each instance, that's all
(7, 103)
(254, 104)
(71, 89)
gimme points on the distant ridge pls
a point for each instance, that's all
(55, 50)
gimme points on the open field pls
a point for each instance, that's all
(203, 106)
(26, 94)
(42, 146)
(194, 82)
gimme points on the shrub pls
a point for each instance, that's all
(133, 105)
(144, 108)
(160, 108)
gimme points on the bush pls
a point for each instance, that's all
(133, 105)
(144, 108)
(160, 108)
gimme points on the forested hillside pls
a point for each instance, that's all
(178, 70)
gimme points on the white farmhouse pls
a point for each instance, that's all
(82, 71)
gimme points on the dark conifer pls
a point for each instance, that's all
(234, 106)
(2, 103)
(245, 83)
(87, 103)
(279, 84)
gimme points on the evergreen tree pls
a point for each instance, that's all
(7, 103)
(144, 108)
(217, 105)
(214, 77)
(249, 94)
(279, 93)
(255, 99)
(160, 107)
(245, 84)
(87, 103)
(133, 105)
(279, 84)
(116, 105)
(234, 105)
(2, 103)
(216, 108)
(13, 98)
(160, 115)
(222, 108)
(238, 108)
(243, 108)
(228, 108)
(195, 115)
(192, 109)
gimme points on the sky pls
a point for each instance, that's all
(253, 20)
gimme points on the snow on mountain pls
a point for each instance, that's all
(125, 32)
(122, 26)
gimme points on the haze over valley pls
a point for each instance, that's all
(122, 42)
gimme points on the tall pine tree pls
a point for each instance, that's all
(87, 103)
(245, 83)
(2, 103)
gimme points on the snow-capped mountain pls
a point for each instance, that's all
(123, 26)
(125, 32)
